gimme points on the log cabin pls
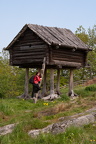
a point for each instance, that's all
(37, 46)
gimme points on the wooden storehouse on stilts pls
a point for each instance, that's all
(45, 48)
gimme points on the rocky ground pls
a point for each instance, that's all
(64, 122)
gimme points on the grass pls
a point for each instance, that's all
(36, 116)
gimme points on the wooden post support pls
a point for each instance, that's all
(71, 92)
(51, 81)
(58, 82)
(43, 69)
(44, 83)
(26, 82)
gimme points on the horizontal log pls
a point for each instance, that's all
(18, 62)
(29, 54)
(65, 63)
(69, 59)
(67, 52)
(28, 57)
(32, 47)
(67, 56)
(29, 51)
(77, 53)
(35, 42)
(28, 43)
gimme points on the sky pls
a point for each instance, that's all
(70, 14)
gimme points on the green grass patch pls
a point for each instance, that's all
(90, 88)
(37, 116)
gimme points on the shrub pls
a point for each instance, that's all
(91, 88)
(82, 92)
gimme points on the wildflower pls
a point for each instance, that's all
(45, 104)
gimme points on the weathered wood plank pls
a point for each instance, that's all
(44, 83)
(28, 57)
(29, 54)
(33, 42)
(65, 63)
(58, 82)
(51, 81)
(26, 82)
(29, 51)
(66, 51)
(27, 61)
(32, 47)
(70, 59)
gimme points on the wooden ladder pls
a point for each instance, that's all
(42, 74)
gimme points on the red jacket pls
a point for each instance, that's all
(36, 79)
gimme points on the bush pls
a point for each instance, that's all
(91, 88)
(82, 92)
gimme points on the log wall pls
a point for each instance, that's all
(28, 49)
(68, 55)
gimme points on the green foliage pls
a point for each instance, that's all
(12, 79)
(82, 92)
(64, 97)
(92, 37)
(88, 37)
(11, 84)
(91, 88)
(82, 34)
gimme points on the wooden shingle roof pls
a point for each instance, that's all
(53, 36)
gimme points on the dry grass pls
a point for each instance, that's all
(3, 117)
(76, 104)
(61, 107)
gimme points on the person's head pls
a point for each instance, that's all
(38, 73)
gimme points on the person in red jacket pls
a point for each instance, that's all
(36, 81)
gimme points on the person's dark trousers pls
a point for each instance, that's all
(36, 88)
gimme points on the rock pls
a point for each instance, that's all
(51, 97)
(34, 133)
(83, 120)
(61, 126)
(7, 129)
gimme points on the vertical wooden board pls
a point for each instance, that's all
(26, 82)
(51, 81)
(58, 81)
(44, 83)
(71, 93)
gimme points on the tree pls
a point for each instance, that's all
(11, 78)
(92, 37)
(82, 34)
(88, 37)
